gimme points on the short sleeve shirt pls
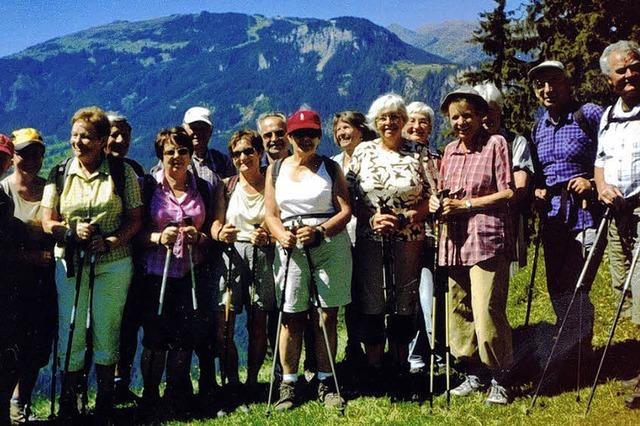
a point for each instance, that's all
(479, 235)
(94, 197)
(619, 148)
(381, 178)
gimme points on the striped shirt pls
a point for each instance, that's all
(94, 197)
(479, 235)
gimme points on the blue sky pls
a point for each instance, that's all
(28, 22)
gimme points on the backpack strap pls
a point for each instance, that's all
(59, 174)
(229, 186)
(275, 170)
(116, 170)
(205, 190)
(148, 187)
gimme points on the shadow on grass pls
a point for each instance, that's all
(532, 346)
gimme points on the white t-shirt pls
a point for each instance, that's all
(244, 211)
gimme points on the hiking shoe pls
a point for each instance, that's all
(497, 394)
(20, 413)
(287, 396)
(631, 383)
(328, 394)
(632, 401)
(123, 395)
(470, 385)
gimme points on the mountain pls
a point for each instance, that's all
(449, 39)
(238, 65)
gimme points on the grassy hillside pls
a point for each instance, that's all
(560, 409)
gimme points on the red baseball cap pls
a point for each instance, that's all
(6, 145)
(303, 119)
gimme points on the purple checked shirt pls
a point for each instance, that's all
(563, 151)
(166, 208)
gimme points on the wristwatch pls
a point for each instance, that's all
(467, 204)
(323, 233)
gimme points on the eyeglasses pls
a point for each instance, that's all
(539, 83)
(247, 152)
(180, 151)
(277, 133)
(394, 118)
(306, 133)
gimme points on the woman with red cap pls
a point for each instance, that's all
(307, 209)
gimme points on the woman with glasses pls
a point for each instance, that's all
(178, 208)
(307, 210)
(84, 207)
(248, 244)
(476, 243)
(389, 188)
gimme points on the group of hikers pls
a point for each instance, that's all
(408, 241)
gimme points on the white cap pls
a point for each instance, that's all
(197, 113)
(545, 65)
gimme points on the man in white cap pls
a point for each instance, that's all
(564, 143)
(617, 172)
(197, 122)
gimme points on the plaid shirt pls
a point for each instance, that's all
(619, 148)
(94, 197)
(165, 208)
(563, 151)
(480, 235)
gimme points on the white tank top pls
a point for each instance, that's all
(311, 196)
(245, 210)
(29, 212)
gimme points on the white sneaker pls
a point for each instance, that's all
(497, 394)
(471, 384)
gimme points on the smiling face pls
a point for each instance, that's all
(418, 128)
(552, 89)
(119, 140)
(86, 145)
(347, 136)
(465, 120)
(29, 159)
(624, 76)
(389, 124)
(175, 158)
(273, 132)
(244, 156)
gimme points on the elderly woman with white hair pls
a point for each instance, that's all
(389, 189)
(522, 163)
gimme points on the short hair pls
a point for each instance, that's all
(490, 93)
(478, 105)
(96, 117)
(389, 101)
(117, 119)
(178, 135)
(421, 108)
(622, 46)
(269, 114)
(355, 119)
(252, 136)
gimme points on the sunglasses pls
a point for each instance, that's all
(180, 151)
(247, 152)
(306, 133)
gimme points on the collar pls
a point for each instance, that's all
(74, 168)
(618, 112)
(482, 141)
(566, 118)
(162, 182)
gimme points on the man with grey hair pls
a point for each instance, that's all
(272, 127)
(617, 171)
(120, 140)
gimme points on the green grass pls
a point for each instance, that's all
(607, 407)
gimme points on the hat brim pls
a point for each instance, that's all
(300, 126)
(477, 99)
(533, 72)
(22, 145)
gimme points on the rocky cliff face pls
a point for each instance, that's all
(239, 65)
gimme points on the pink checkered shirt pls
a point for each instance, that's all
(469, 238)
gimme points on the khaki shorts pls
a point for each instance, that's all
(332, 274)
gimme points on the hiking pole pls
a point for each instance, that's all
(432, 341)
(627, 283)
(54, 377)
(72, 320)
(584, 254)
(579, 285)
(534, 268)
(447, 348)
(313, 288)
(388, 274)
(279, 325)
(165, 271)
(227, 313)
(252, 285)
(188, 221)
(88, 354)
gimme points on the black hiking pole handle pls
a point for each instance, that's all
(534, 268)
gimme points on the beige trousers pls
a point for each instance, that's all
(477, 313)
